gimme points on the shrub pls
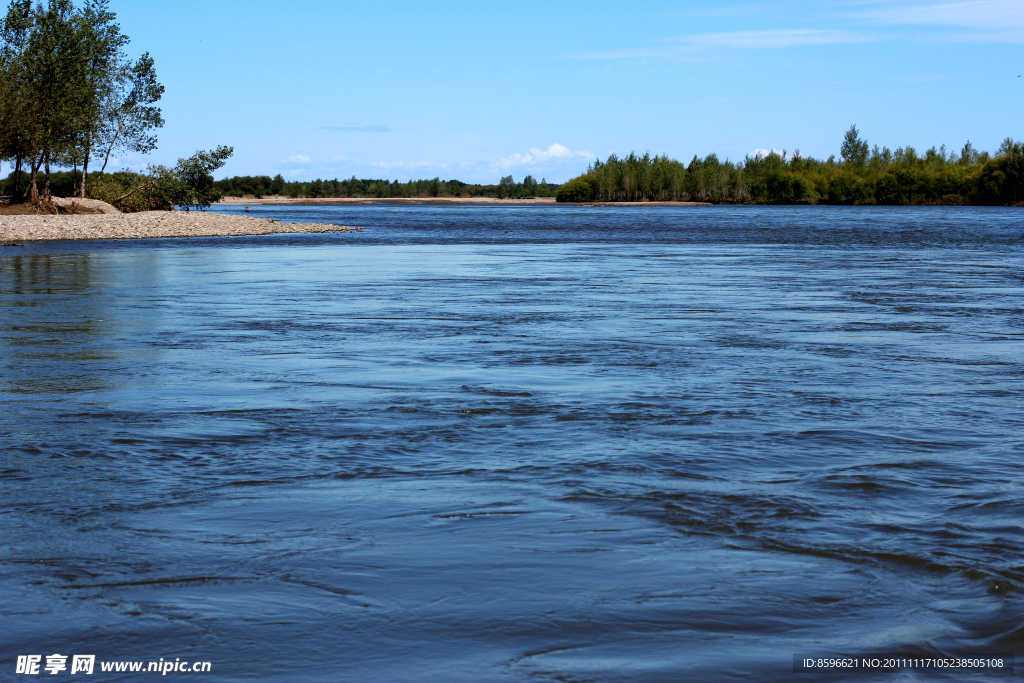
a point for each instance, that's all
(775, 187)
(581, 189)
(846, 188)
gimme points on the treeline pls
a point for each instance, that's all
(861, 175)
(261, 186)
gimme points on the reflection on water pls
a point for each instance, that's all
(519, 444)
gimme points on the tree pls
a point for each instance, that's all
(106, 72)
(13, 87)
(506, 188)
(128, 115)
(188, 184)
(854, 150)
(49, 73)
(67, 90)
(529, 187)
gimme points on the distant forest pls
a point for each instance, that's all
(860, 176)
(261, 186)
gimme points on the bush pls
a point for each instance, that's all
(774, 187)
(1001, 181)
(581, 189)
(110, 186)
(846, 188)
(901, 185)
(189, 184)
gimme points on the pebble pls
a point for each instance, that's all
(147, 224)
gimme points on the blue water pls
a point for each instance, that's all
(519, 444)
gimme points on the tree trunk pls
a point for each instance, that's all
(128, 194)
(85, 167)
(46, 187)
(33, 189)
(110, 147)
(17, 177)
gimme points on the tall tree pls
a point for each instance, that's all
(854, 150)
(15, 116)
(55, 66)
(130, 116)
(68, 94)
(102, 46)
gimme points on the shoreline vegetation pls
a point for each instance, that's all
(861, 176)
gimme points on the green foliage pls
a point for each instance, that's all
(62, 183)
(259, 186)
(637, 178)
(116, 188)
(776, 187)
(581, 189)
(189, 184)
(854, 150)
(846, 188)
(1001, 180)
(61, 68)
(864, 176)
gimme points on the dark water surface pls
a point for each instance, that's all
(519, 444)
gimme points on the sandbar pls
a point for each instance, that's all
(145, 224)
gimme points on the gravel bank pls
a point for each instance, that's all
(146, 224)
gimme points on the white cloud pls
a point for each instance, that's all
(517, 159)
(765, 152)
(538, 156)
(298, 158)
(296, 171)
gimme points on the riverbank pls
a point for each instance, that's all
(489, 201)
(482, 201)
(146, 224)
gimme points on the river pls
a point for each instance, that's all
(519, 444)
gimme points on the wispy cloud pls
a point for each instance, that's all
(698, 44)
(536, 156)
(978, 14)
(968, 21)
(770, 40)
(298, 159)
(379, 128)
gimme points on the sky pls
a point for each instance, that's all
(477, 91)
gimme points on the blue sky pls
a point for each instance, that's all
(476, 91)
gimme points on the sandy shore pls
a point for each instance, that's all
(146, 224)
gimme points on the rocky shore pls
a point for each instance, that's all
(147, 224)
